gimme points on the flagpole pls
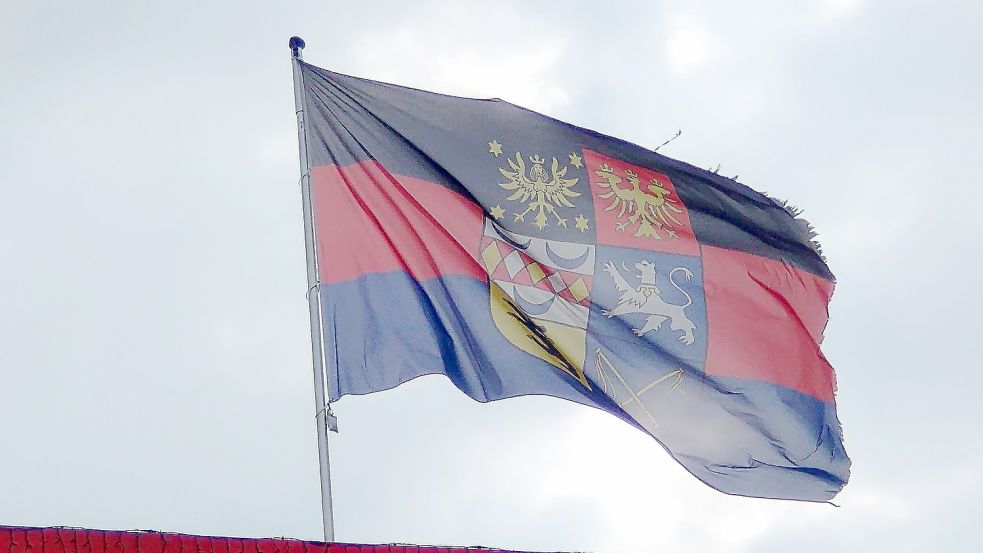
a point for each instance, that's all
(321, 406)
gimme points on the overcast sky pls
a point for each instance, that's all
(154, 351)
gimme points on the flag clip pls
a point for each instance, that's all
(330, 420)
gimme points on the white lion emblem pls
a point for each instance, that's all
(646, 299)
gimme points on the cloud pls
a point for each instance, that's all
(831, 9)
(689, 45)
(469, 60)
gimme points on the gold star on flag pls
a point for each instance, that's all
(494, 148)
(581, 222)
(497, 212)
(576, 160)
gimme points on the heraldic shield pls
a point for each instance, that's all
(539, 292)
(625, 316)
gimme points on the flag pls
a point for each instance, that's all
(517, 254)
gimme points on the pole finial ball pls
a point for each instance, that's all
(297, 43)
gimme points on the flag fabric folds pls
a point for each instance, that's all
(517, 254)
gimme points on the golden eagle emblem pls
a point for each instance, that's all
(543, 191)
(652, 207)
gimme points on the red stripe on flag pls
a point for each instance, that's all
(371, 221)
(766, 321)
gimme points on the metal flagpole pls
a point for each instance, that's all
(323, 409)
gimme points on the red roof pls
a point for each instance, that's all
(15, 539)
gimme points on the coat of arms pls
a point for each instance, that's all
(540, 295)
(627, 332)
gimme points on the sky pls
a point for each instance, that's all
(154, 349)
